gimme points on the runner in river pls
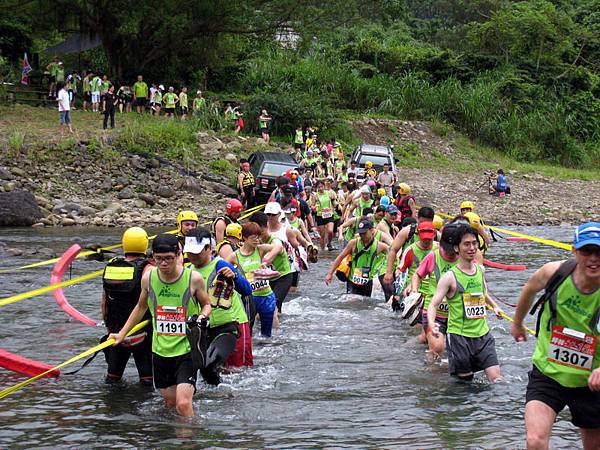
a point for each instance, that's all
(233, 210)
(433, 267)
(469, 343)
(566, 362)
(231, 242)
(251, 257)
(121, 283)
(284, 234)
(406, 236)
(364, 251)
(323, 204)
(405, 202)
(387, 226)
(172, 293)
(228, 321)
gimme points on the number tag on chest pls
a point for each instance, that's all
(170, 320)
(257, 285)
(326, 213)
(361, 275)
(572, 348)
(443, 307)
(474, 305)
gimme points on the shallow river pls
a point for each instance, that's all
(341, 372)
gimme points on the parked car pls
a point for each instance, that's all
(377, 154)
(266, 168)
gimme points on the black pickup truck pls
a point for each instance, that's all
(266, 167)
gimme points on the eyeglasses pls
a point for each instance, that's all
(164, 259)
(589, 250)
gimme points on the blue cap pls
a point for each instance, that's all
(392, 209)
(587, 234)
(384, 201)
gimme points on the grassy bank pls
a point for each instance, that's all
(32, 133)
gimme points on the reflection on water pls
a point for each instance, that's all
(341, 371)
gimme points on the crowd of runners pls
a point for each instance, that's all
(206, 287)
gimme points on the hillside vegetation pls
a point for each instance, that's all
(520, 76)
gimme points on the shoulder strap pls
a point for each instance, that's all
(549, 295)
(411, 233)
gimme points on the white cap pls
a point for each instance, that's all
(192, 245)
(161, 87)
(273, 208)
(365, 190)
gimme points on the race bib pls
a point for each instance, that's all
(257, 285)
(443, 308)
(474, 305)
(326, 213)
(572, 348)
(361, 275)
(170, 320)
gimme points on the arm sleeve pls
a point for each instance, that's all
(406, 260)
(426, 266)
(242, 286)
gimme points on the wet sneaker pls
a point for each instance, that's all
(265, 274)
(415, 317)
(411, 303)
(330, 247)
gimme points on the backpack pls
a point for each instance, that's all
(549, 295)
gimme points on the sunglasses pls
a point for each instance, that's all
(271, 214)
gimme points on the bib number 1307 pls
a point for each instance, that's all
(572, 348)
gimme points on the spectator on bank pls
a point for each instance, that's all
(501, 187)
(109, 107)
(71, 86)
(264, 121)
(124, 98)
(170, 100)
(64, 108)
(140, 94)
(96, 83)
(56, 69)
(183, 103)
(87, 90)
(199, 104)
(106, 83)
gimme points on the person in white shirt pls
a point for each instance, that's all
(64, 108)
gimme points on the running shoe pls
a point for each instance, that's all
(411, 302)
(265, 274)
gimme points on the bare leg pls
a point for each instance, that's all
(169, 395)
(436, 344)
(539, 419)
(184, 394)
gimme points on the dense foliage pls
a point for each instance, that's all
(523, 76)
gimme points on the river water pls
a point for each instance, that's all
(341, 372)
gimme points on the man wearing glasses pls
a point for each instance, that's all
(173, 294)
(566, 362)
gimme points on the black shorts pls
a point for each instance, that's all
(469, 355)
(360, 289)
(295, 279)
(441, 321)
(118, 356)
(583, 403)
(264, 130)
(171, 371)
(321, 222)
(87, 96)
(281, 286)
(184, 110)
(169, 110)
(141, 101)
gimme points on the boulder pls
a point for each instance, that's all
(191, 184)
(18, 208)
(233, 145)
(154, 163)
(126, 193)
(5, 174)
(231, 158)
(165, 191)
(18, 172)
(227, 191)
(148, 198)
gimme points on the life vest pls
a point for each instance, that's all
(247, 180)
(403, 206)
(227, 220)
(121, 281)
(226, 241)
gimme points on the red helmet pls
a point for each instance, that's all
(234, 206)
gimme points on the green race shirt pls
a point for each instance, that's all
(170, 98)
(364, 261)
(170, 304)
(467, 308)
(441, 266)
(96, 83)
(569, 349)
(183, 100)
(140, 89)
(250, 263)
(281, 263)
(419, 255)
(224, 310)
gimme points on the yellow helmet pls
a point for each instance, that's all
(438, 222)
(467, 205)
(135, 240)
(381, 192)
(404, 188)
(474, 219)
(234, 230)
(186, 215)
(368, 164)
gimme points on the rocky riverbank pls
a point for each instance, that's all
(91, 179)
